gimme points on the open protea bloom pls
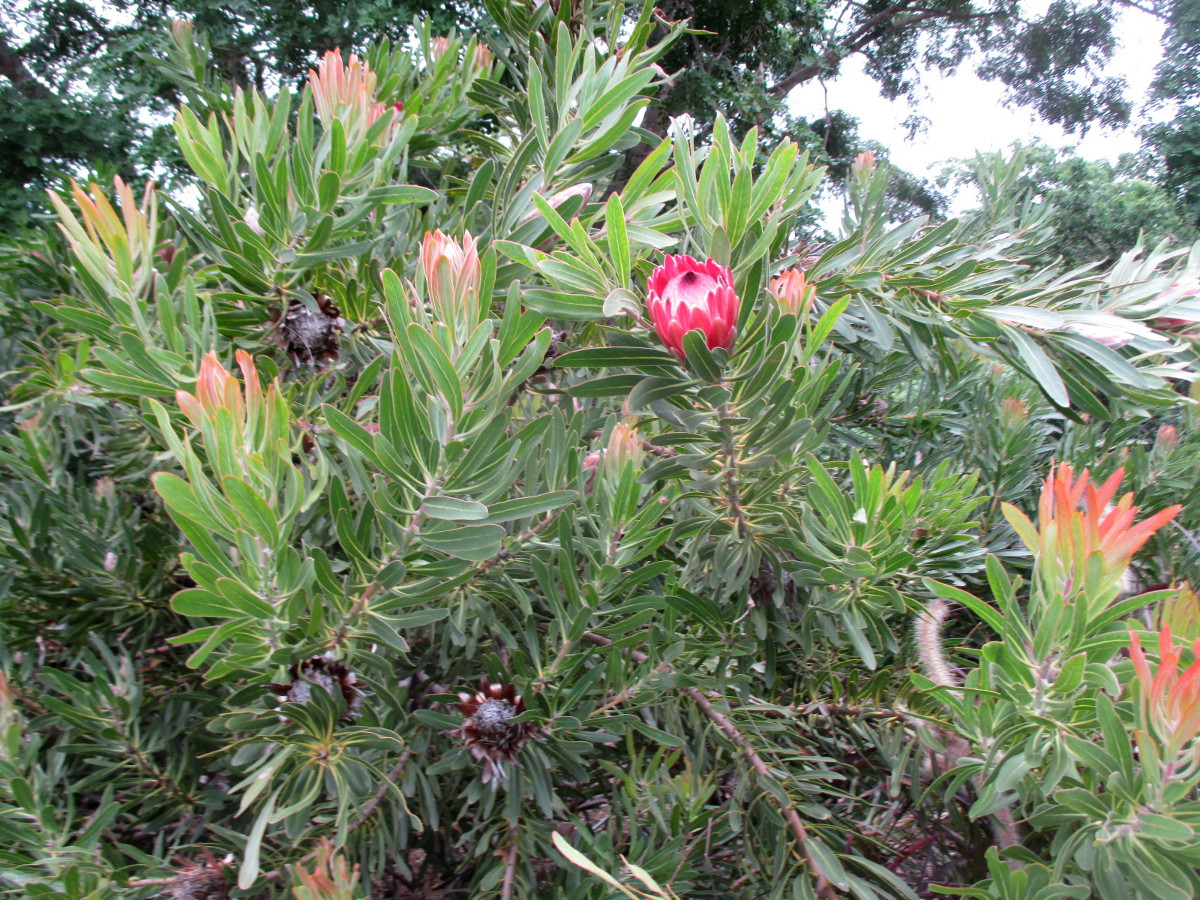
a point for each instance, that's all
(488, 730)
(1076, 519)
(686, 295)
(1168, 701)
(452, 274)
(792, 290)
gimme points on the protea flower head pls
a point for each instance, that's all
(685, 295)
(488, 730)
(792, 290)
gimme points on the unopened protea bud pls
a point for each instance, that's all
(452, 276)
(488, 729)
(331, 879)
(1013, 411)
(624, 448)
(215, 389)
(482, 59)
(794, 293)
(1166, 440)
(345, 92)
(864, 163)
(438, 47)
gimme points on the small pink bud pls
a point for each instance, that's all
(1166, 440)
(438, 47)
(483, 58)
(685, 295)
(864, 163)
(792, 290)
(452, 276)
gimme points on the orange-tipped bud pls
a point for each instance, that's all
(452, 276)
(1013, 411)
(217, 389)
(483, 58)
(864, 163)
(1169, 701)
(1077, 519)
(794, 293)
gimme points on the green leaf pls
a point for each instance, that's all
(452, 509)
(523, 507)
(199, 602)
(700, 358)
(608, 357)
(618, 238)
(470, 542)
(253, 509)
(1040, 367)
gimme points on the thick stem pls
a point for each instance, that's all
(510, 864)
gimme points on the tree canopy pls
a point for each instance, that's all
(82, 83)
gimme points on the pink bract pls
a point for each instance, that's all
(685, 294)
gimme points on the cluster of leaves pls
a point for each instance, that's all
(237, 610)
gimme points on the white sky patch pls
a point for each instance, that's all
(967, 113)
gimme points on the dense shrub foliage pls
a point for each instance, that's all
(405, 514)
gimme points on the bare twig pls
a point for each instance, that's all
(504, 555)
(799, 832)
(393, 776)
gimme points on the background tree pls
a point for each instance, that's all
(81, 91)
(1175, 140)
(1096, 210)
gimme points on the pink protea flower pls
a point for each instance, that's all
(686, 295)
